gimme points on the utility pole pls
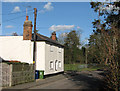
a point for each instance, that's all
(86, 57)
(34, 46)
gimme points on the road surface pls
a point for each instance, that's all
(90, 80)
(75, 80)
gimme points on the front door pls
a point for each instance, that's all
(56, 65)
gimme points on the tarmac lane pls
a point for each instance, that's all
(85, 80)
(60, 84)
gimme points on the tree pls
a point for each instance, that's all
(61, 38)
(72, 44)
(14, 34)
(37, 31)
(94, 48)
(107, 32)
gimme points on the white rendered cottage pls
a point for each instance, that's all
(49, 53)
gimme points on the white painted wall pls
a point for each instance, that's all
(40, 55)
(53, 56)
(15, 48)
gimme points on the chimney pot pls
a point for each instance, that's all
(54, 35)
(26, 18)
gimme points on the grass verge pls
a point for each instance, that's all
(82, 67)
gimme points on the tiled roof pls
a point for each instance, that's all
(40, 37)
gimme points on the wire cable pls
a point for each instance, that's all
(16, 12)
(15, 18)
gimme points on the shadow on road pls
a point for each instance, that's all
(87, 79)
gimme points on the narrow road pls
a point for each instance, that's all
(75, 80)
(90, 80)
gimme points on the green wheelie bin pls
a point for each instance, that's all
(41, 74)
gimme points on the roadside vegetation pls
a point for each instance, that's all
(103, 48)
(83, 67)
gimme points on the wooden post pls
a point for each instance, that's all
(34, 46)
(1, 74)
(86, 58)
(10, 80)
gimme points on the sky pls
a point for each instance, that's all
(51, 16)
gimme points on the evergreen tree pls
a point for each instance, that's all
(72, 43)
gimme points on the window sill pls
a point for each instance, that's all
(51, 68)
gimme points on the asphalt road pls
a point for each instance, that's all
(75, 80)
(90, 80)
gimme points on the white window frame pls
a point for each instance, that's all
(59, 64)
(51, 65)
(60, 49)
(51, 48)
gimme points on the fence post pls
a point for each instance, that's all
(1, 75)
(10, 84)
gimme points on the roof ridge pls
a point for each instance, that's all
(45, 38)
(40, 35)
(43, 35)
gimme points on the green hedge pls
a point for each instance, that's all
(82, 67)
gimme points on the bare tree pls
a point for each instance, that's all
(14, 34)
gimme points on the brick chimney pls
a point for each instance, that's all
(27, 29)
(53, 36)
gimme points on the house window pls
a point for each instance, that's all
(59, 64)
(51, 48)
(51, 65)
(60, 50)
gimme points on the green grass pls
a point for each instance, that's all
(76, 67)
